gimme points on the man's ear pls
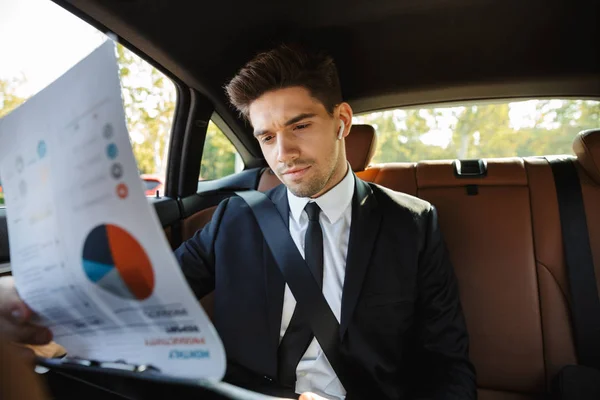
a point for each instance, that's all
(345, 114)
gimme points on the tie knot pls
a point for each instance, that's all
(313, 210)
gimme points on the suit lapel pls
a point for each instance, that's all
(274, 282)
(366, 218)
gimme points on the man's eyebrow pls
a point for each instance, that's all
(299, 118)
(289, 122)
(260, 132)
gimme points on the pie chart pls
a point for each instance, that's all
(117, 263)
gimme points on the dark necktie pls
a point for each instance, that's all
(313, 242)
(298, 334)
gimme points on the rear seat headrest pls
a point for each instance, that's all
(587, 149)
(360, 146)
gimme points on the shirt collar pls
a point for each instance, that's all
(333, 203)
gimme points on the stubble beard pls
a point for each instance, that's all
(315, 184)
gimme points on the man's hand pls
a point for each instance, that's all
(15, 317)
(310, 396)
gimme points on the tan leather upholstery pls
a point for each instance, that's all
(552, 272)
(360, 146)
(591, 199)
(400, 177)
(587, 149)
(500, 172)
(553, 283)
(491, 247)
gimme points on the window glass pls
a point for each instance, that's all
(219, 157)
(149, 98)
(499, 129)
(40, 41)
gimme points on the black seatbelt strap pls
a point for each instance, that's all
(585, 304)
(303, 285)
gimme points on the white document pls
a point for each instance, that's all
(87, 250)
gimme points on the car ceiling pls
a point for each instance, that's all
(389, 52)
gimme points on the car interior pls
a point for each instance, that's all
(499, 216)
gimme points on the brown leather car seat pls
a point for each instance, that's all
(401, 177)
(587, 148)
(512, 278)
(487, 226)
(554, 287)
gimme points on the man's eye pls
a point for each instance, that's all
(301, 126)
(266, 139)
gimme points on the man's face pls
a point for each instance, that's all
(298, 138)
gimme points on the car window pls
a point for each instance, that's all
(40, 41)
(219, 157)
(481, 130)
(149, 98)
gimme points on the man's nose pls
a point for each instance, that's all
(287, 149)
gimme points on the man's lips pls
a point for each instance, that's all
(295, 172)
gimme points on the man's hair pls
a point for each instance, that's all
(282, 67)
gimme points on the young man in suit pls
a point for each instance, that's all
(378, 256)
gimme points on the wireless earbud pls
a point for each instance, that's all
(341, 132)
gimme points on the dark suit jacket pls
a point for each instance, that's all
(403, 331)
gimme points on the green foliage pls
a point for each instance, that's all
(480, 131)
(218, 157)
(149, 100)
(9, 100)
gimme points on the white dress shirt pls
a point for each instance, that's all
(314, 373)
